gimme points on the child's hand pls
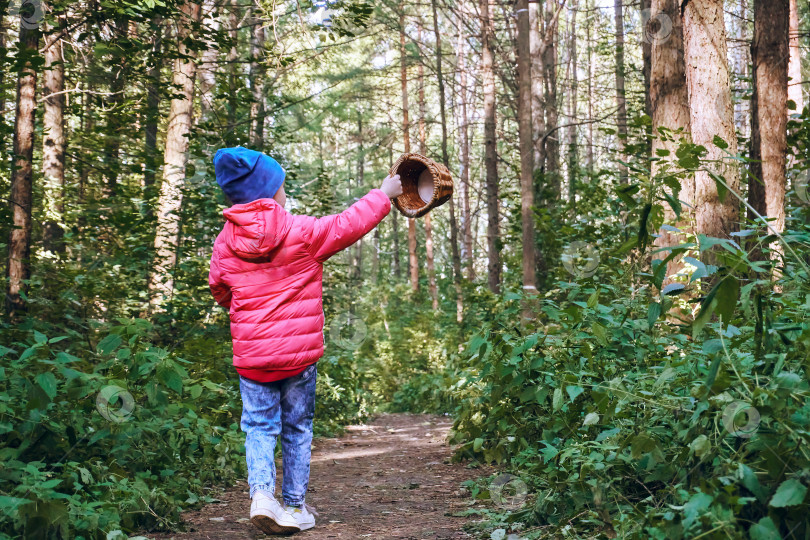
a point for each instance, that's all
(392, 186)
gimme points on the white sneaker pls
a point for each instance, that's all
(268, 515)
(303, 515)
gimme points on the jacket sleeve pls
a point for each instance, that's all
(220, 290)
(334, 233)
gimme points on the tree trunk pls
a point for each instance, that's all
(429, 257)
(538, 105)
(646, 57)
(464, 155)
(395, 223)
(526, 147)
(589, 149)
(233, 65)
(257, 76)
(161, 282)
(795, 66)
(454, 251)
(19, 245)
(571, 135)
(152, 112)
(670, 111)
(621, 100)
(769, 52)
(53, 140)
(413, 261)
(490, 152)
(711, 114)
(551, 135)
(208, 62)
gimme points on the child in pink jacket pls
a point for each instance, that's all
(267, 269)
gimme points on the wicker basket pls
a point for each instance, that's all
(410, 167)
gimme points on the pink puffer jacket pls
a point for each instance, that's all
(267, 269)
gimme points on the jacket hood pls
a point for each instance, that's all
(256, 228)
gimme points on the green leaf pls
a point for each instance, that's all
(108, 344)
(696, 507)
(556, 401)
(40, 338)
(477, 444)
(47, 382)
(719, 142)
(573, 391)
(764, 529)
(653, 312)
(700, 446)
(728, 294)
(169, 377)
(790, 493)
(590, 419)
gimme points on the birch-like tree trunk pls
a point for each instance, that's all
(552, 189)
(161, 282)
(769, 52)
(208, 61)
(526, 148)
(710, 115)
(490, 151)
(18, 269)
(53, 139)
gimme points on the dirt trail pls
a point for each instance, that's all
(389, 478)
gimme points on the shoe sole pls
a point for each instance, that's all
(268, 526)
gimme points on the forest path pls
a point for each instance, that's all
(389, 478)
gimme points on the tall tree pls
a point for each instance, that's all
(551, 137)
(669, 101)
(464, 157)
(454, 251)
(413, 261)
(175, 156)
(208, 62)
(537, 49)
(18, 269)
(710, 114)
(621, 98)
(490, 151)
(571, 130)
(526, 147)
(53, 139)
(769, 52)
(116, 124)
(429, 256)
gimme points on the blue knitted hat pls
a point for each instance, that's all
(246, 175)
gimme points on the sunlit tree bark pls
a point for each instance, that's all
(795, 65)
(257, 80)
(711, 114)
(161, 282)
(464, 158)
(413, 261)
(621, 99)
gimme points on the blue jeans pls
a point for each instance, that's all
(284, 407)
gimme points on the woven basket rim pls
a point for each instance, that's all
(437, 171)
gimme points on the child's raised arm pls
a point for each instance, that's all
(332, 234)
